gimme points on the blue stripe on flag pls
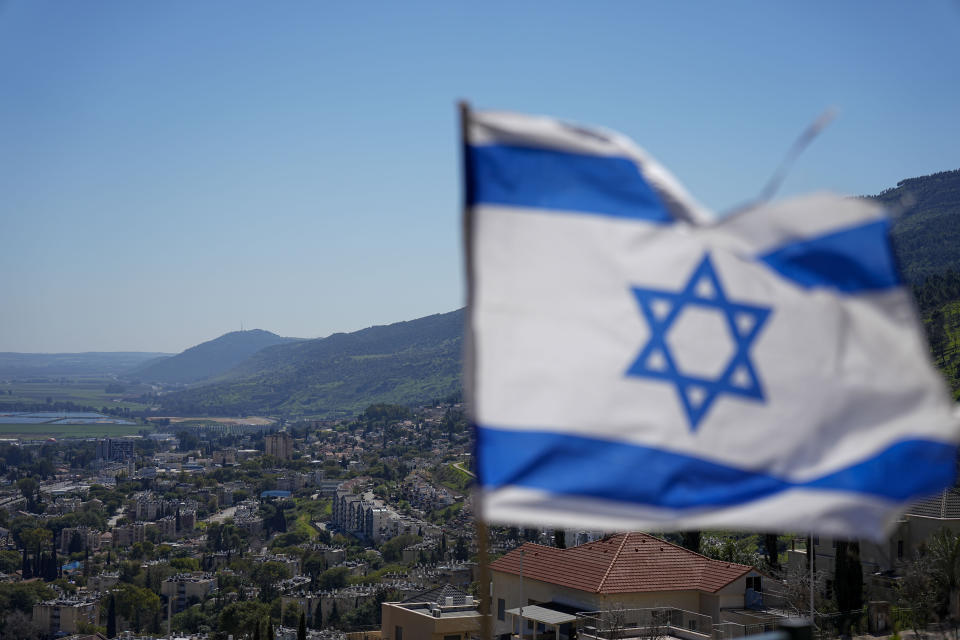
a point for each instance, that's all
(590, 467)
(851, 260)
(550, 179)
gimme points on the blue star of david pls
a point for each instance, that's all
(661, 309)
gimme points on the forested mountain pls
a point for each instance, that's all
(208, 359)
(926, 235)
(20, 365)
(403, 363)
(415, 361)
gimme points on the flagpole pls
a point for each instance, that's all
(486, 626)
(810, 552)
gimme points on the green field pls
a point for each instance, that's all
(86, 391)
(68, 430)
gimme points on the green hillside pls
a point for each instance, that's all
(402, 363)
(416, 361)
(208, 359)
(926, 236)
(926, 240)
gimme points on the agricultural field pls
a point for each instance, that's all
(44, 430)
(95, 392)
(187, 421)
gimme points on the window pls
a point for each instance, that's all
(899, 549)
(398, 633)
(753, 582)
(501, 609)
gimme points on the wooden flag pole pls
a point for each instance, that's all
(486, 626)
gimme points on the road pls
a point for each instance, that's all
(112, 522)
(220, 516)
(459, 467)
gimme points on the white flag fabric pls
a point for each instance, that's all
(635, 364)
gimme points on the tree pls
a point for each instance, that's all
(560, 538)
(848, 583)
(76, 543)
(691, 540)
(302, 627)
(318, 616)
(36, 538)
(944, 551)
(137, 605)
(392, 549)
(335, 578)
(26, 569)
(937, 335)
(291, 614)
(112, 617)
(772, 549)
(20, 625)
(29, 488)
(917, 592)
(243, 619)
(730, 548)
(266, 576)
(460, 551)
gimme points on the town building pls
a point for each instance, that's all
(444, 613)
(629, 571)
(184, 586)
(86, 539)
(65, 614)
(115, 449)
(227, 456)
(279, 445)
(129, 534)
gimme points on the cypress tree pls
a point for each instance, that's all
(318, 616)
(302, 628)
(691, 540)
(848, 580)
(772, 551)
(76, 543)
(112, 617)
(56, 569)
(270, 634)
(256, 630)
(25, 568)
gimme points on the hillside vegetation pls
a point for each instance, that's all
(926, 235)
(208, 359)
(416, 361)
(402, 363)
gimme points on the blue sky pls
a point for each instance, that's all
(170, 170)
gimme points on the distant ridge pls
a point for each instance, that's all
(418, 360)
(91, 363)
(402, 363)
(208, 359)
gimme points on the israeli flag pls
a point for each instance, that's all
(635, 364)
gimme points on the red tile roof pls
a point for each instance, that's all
(623, 563)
